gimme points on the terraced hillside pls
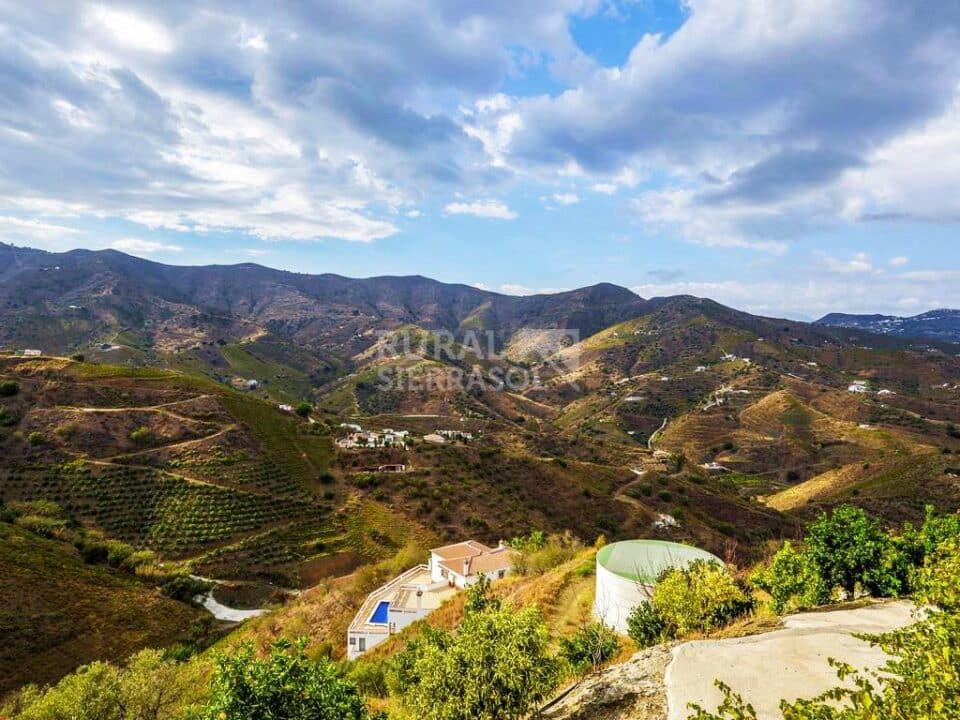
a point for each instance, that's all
(173, 464)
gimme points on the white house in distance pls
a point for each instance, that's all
(858, 387)
(419, 591)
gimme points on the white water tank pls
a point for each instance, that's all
(627, 572)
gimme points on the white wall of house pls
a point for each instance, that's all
(359, 642)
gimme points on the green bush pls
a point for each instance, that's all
(36, 438)
(142, 436)
(701, 597)
(647, 627)
(9, 388)
(184, 587)
(792, 580)
(286, 685)
(7, 418)
(590, 647)
(303, 409)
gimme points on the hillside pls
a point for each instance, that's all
(58, 612)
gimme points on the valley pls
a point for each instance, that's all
(178, 429)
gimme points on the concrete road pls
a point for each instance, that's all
(785, 664)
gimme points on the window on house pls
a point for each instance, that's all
(501, 573)
(353, 641)
(363, 644)
(444, 574)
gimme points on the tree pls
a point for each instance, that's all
(303, 409)
(701, 597)
(286, 685)
(9, 388)
(496, 667)
(150, 687)
(849, 548)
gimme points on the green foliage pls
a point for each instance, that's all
(850, 548)
(142, 436)
(7, 418)
(496, 667)
(647, 627)
(36, 438)
(539, 553)
(701, 597)
(590, 647)
(184, 587)
(286, 685)
(9, 388)
(792, 580)
(303, 409)
(150, 687)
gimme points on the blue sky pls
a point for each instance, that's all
(788, 157)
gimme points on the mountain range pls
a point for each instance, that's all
(943, 324)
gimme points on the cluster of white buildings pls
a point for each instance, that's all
(420, 590)
(360, 438)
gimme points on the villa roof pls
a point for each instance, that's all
(467, 548)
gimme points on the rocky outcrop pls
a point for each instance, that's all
(634, 690)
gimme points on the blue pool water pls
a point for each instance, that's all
(380, 614)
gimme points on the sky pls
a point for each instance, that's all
(785, 157)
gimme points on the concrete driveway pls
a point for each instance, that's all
(784, 664)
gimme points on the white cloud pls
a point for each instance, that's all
(131, 30)
(33, 230)
(514, 289)
(481, 208)
(413, 214)
(566, 198)
(899, 261)
(858, 263)
(604, 188)
(139, 245)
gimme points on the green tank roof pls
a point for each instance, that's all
(644, 560)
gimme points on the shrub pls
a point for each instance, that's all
(701, 597)
(142, 436)
(647, 627)
(184, 587)
(7, 418)
(303, 409)
(286, 685)
(9, 388)
(36, 438)
(792, 580)
(590, 647)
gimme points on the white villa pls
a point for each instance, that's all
(420, 590)
(858, 387)
(461, 564)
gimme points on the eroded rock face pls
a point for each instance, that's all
(632, 691)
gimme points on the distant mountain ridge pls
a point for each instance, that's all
(87, 294)
(942, 324)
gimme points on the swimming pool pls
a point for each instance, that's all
(380, 614)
